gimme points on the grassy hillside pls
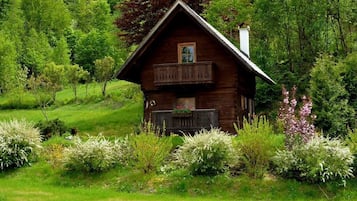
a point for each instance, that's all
(118, 114)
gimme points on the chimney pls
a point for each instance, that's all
(244, 39)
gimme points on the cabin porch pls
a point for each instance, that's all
(188, 122)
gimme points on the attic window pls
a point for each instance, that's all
(186, 52)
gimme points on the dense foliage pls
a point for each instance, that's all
(19, 143)
(352, 144)
(40, 34)
(332, 103)
(50, 128)
(138, 17)
(208, 152)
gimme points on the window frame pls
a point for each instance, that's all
(185, 103)
(180, 46)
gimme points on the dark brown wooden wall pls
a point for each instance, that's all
(231, 79)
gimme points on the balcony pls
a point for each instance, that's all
(183, 74)
(189, 123)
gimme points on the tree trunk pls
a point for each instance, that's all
(104, 88)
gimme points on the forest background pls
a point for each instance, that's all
(310, 44)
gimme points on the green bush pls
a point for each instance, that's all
(332, 105)
(50, 128)
(257, 143)
(94, 155)
(319, 160)
(208, 152)
(150, 150)
(19, 141)
(352, 144)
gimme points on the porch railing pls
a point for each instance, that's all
(181, 74)
(188, 123)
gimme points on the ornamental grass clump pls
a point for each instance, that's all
(256, 143)
(149, 149)
(208, 152)
(94, 155)
(19, 142)
(319, 160)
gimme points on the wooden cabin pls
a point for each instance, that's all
(192, 77)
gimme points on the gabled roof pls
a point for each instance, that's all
(180, 6)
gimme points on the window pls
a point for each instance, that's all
(247, 105)
(186, 103)
(186, 52)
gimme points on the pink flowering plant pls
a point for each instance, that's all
(297, 125)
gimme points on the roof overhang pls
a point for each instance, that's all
(180, 6)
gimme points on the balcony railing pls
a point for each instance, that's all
(183, 74)
(188, 123)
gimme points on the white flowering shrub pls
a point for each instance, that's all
(319, 160)
(206, 153)
(19, 142)
(94, 155)
(123, 151)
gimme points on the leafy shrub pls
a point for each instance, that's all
(332, 104)
(94, 155)
(50, 128)
(208, 152)
(19, 141)
(150, 149)
(352, 144)
(53, 150)
(257, 144)
(319, 160)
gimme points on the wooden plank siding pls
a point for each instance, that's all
(229, 84)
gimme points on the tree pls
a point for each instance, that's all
(54, 75)
(102, 19)
(91, 14)
(61, 53)
(37, 51)
(334, 114)
(48, 16)
(75, 74)
(8, 65)
(92, 46)
(138, 17)
(348, 71)
(4, 8)
(226, 16)
(40, 88)
(104, 70)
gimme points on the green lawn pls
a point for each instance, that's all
(117, 115)
(43, 182)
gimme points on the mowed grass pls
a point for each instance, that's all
(117, 115)
(42, 182)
